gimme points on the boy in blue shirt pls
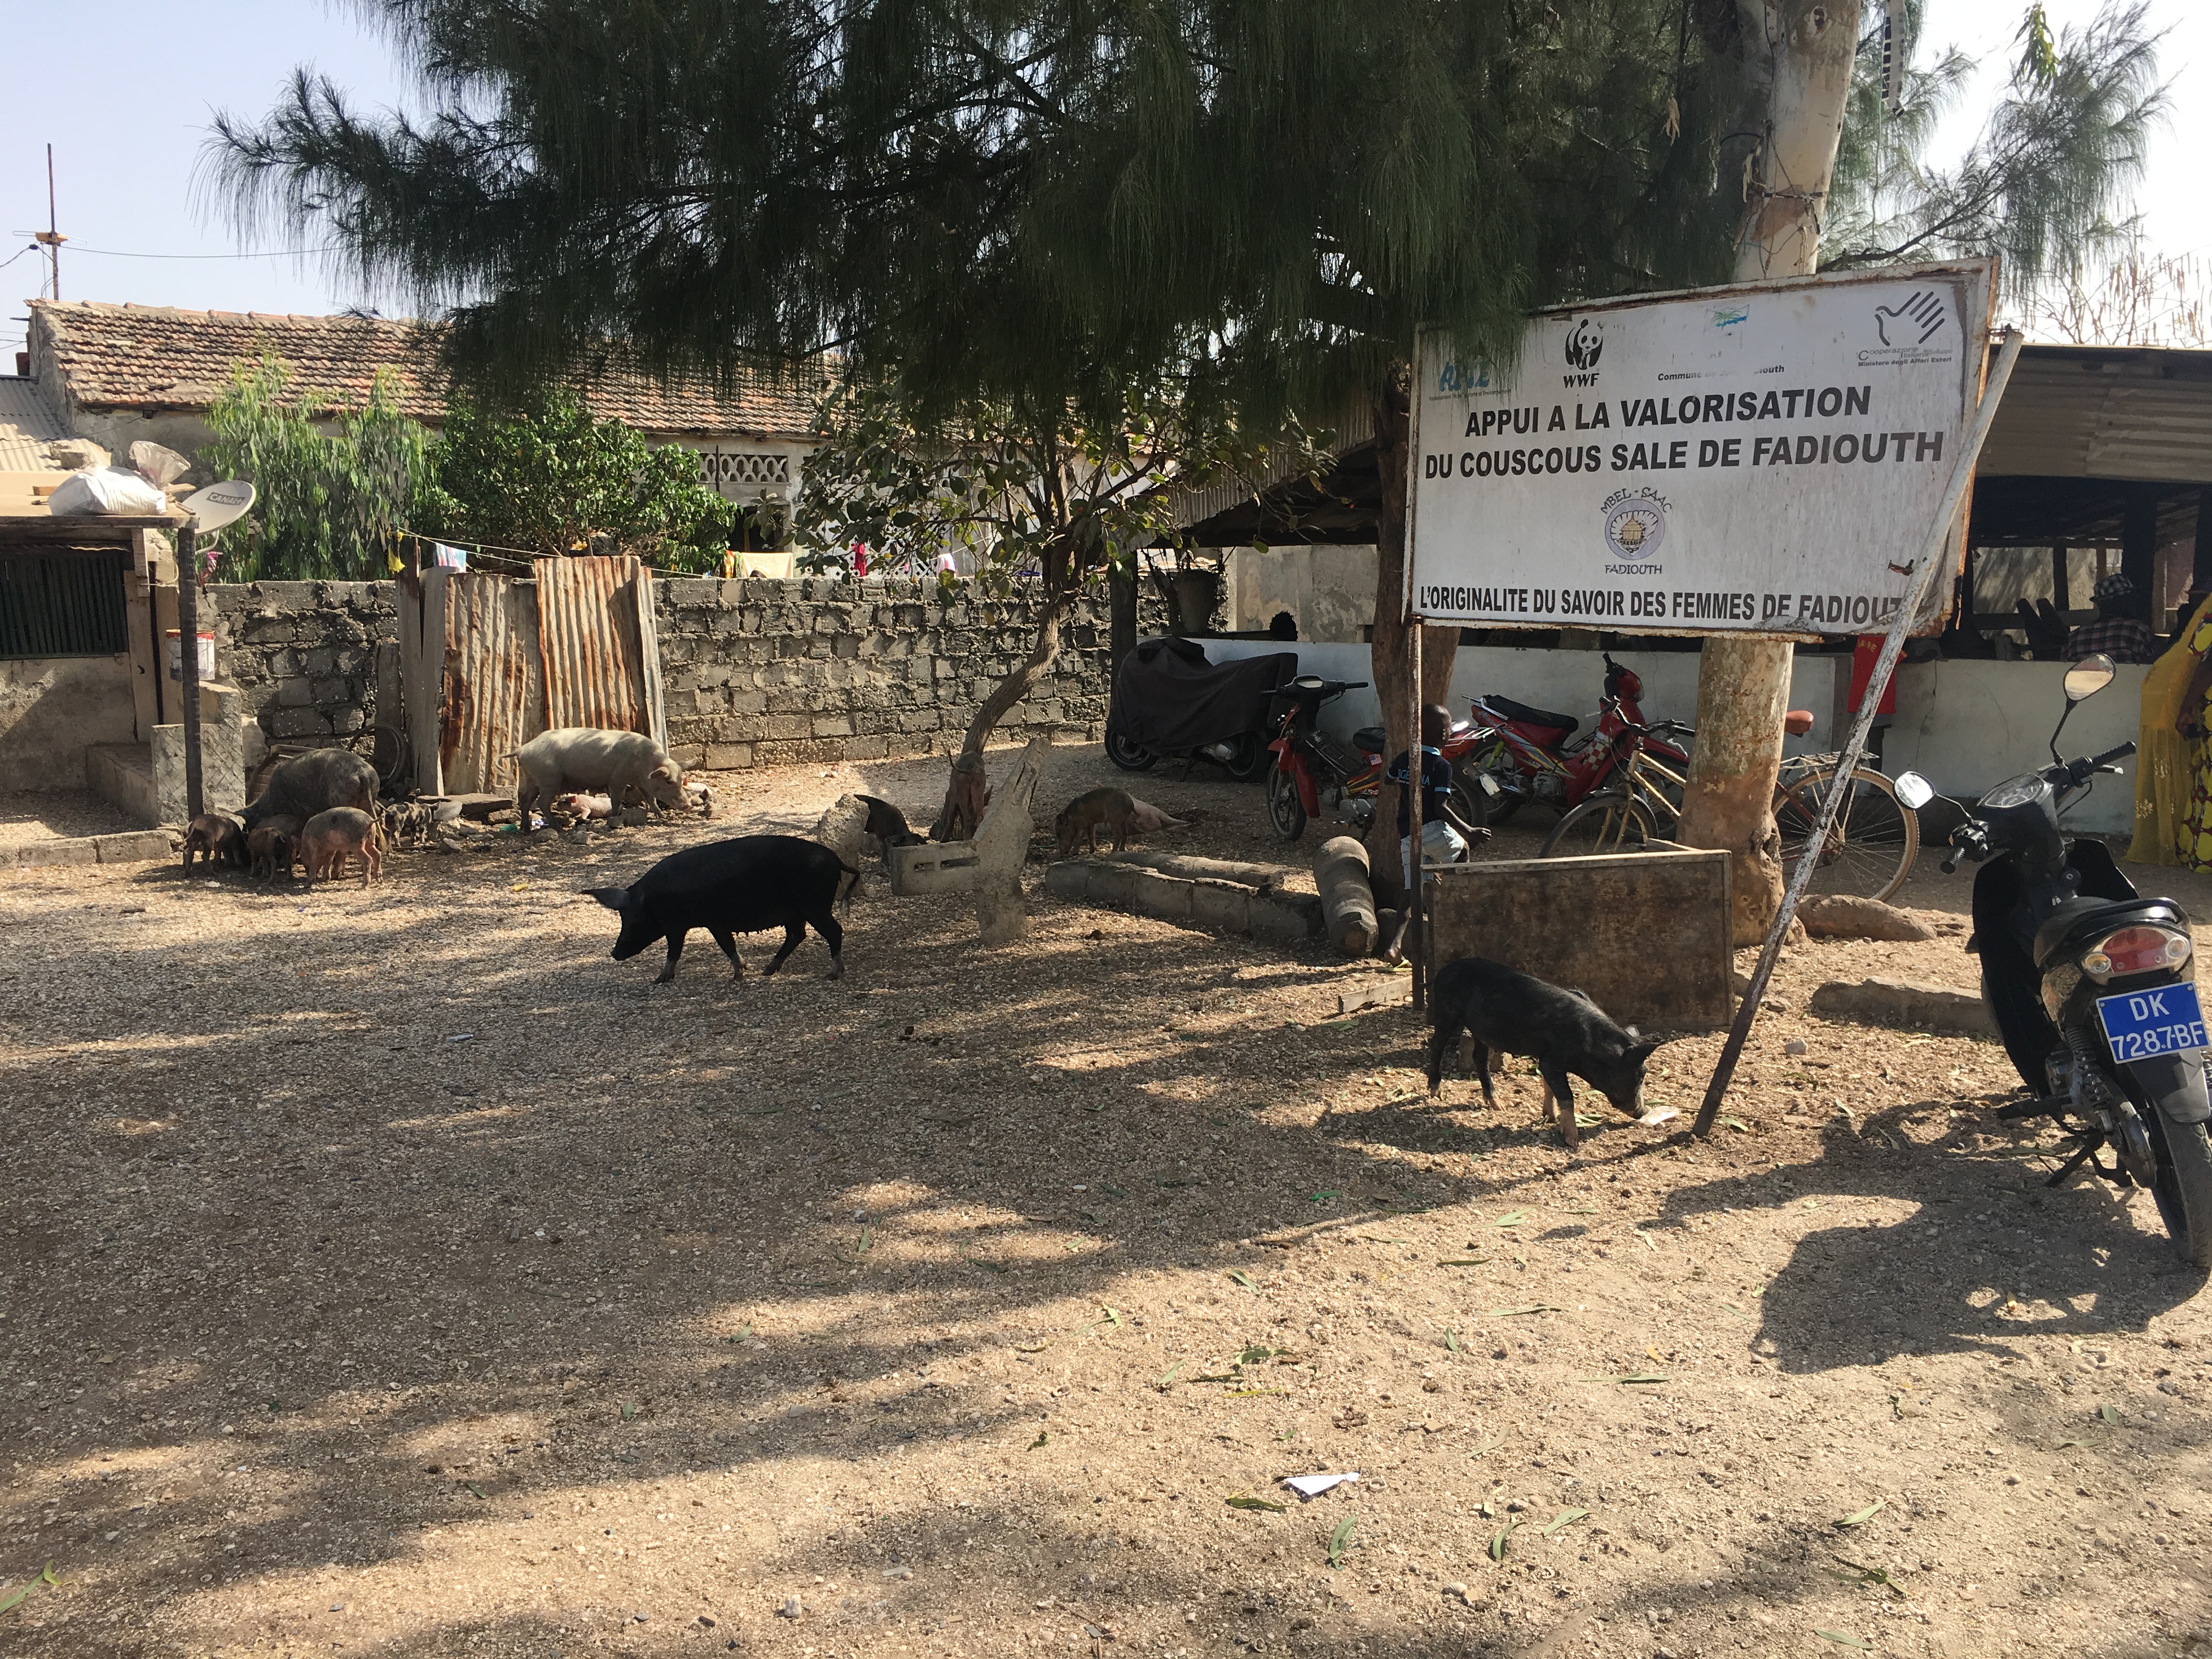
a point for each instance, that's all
(1445, 836)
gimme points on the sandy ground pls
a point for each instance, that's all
(388, 1272)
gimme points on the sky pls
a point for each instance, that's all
(127, 152)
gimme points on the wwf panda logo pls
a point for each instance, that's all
(1585, 343)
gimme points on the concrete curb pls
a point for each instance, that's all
(1906, 1006)
(1222, 907)
(131, 847)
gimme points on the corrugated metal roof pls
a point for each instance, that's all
(587, 629)
(494, 682)
(26, 426)
(2104, 412)
(1355, 427)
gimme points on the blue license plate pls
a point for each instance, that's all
(2140, 1024)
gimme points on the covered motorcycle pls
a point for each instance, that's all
(1169, 700)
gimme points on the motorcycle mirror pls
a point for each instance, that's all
(1914, 791)
(2088, 677)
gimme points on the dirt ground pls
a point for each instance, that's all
(388, 1272)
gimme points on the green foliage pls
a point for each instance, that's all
(1057, 498)
(1015, 203)
(327, 506)
(546, 477)
(2046, 187)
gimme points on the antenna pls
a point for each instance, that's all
(52, 235)
(1893, 55)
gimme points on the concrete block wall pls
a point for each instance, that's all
(303, 654)
(757, 673)
(754, 672)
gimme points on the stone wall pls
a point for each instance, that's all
(755, 672)
(304, 654)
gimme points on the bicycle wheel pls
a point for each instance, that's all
(1870, 849)
(1284, 810)
(1603, 823)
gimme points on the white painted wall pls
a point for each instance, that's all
(1566, 682)
(1964, 725)
(1968, 725)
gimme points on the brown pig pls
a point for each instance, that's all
(332, 839)
(1107, 809)
(272, 845)
(217, 839)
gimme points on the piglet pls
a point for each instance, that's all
(1562, 1030)
(333, 839)
(576, 804)
(272, 844)
(217, 839)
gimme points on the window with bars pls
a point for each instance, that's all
(62, 604)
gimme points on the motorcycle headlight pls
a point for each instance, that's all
(2135, 950)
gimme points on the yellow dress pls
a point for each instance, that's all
(2173, 774)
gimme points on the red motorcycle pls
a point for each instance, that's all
(1526, 756)
(1311, 768)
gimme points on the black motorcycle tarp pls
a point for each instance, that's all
(1168, 697)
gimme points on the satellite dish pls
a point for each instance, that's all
(218, 504)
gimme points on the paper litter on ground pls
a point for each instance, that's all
(1313, 1485)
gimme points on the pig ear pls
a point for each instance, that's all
(615, 898)
(1642, 1051)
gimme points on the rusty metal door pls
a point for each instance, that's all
(490, 661)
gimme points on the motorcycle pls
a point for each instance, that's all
(1529, 759)
(2093, 986)
(1312, 769)
(1170, 702)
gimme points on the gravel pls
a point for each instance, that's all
(948, 1306)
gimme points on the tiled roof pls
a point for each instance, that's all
(131, 356)
(27, 426)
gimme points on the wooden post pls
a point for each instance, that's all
(1417, 946)
(2200, 567)
(2062, 599)
(1001, 845)
(2139, 549)
(188, 654)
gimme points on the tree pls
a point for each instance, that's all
(1056, 496)
(2045, 186)
(328, 506)
(997, 206)
(545, 477)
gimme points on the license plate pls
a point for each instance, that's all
(2140, 1024)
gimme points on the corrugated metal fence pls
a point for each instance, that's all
(487, 661)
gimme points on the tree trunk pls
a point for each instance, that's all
(964, 795)
(1797, 63)
(1387, 651)
(1122, 602)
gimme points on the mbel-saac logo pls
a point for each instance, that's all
(1635, 524)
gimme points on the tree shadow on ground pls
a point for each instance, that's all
(376, 1235)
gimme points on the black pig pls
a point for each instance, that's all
(315, 782)
(1563, 1031)
(730, 887)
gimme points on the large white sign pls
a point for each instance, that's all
(1763, 459)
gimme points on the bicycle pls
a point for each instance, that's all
(1869, 851)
